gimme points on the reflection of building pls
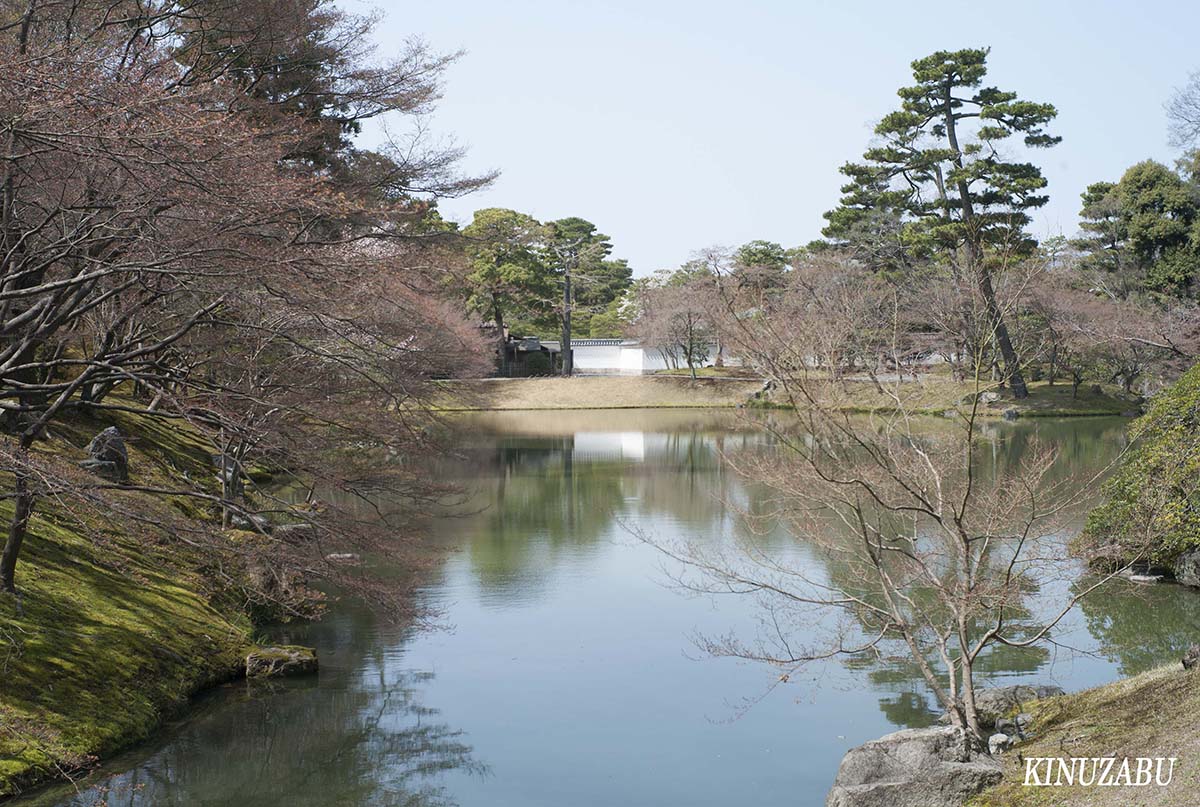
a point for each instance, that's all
(611, 445)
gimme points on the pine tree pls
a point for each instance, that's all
(938, 168)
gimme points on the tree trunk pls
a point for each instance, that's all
(23, 498)
(233, 482)
(501, 338)
(970, 711)
(1012, 364)
(567, 359)
(875, 380)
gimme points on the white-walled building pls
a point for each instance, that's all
(622, 357)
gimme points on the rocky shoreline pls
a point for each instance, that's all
(940, 766)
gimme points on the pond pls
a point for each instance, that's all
(566, 669)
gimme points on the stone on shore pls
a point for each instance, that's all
(1187, 568)
(998, 743)
(269, 662)
(931, 767)
(1014, 726)
(995, 703)
(252, 522)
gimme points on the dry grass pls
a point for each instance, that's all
(595, 392)
(932, 393)
(1155, 714)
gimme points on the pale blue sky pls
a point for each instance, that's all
(677, 125)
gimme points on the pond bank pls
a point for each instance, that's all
(549, 596)
(596, 392)
(932, 394)
(1155, 714)
(112, 631)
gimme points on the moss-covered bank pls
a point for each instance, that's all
(114, 628)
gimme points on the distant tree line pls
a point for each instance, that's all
(528, 278)
(933, 223)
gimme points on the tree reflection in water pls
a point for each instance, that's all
(538, 550)
(551, 494)
(1141, 627)
(358, 733)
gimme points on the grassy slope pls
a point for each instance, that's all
(1155, 714)
(112, 631)
(932, 394)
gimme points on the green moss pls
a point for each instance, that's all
(287, 659)
(111, 631)
(283, 652)
(1152, 502)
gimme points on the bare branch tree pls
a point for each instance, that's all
(1183, 113)
(926, 548)
(186, 233)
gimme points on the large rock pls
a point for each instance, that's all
(1186, 567)
(107, 456)
(933, 767)
(995, 703)
(265, 662)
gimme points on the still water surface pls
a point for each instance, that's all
(567, 671)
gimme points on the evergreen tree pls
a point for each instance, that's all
(938, 171)
(760, 266)
(506, 279)
(869, 222)
(577, 254)
(1145, 229)
(1103, 239)
(600, 285)
(1160, 214)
